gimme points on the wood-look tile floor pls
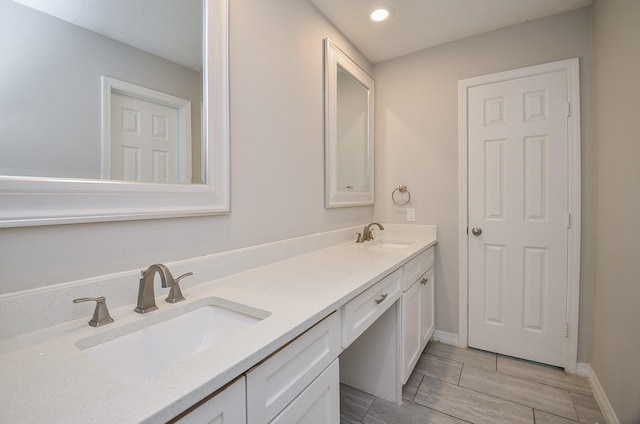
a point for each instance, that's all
(455, 385)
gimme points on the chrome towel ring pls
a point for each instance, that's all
(402, 188)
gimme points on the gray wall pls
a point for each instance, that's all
(277, 163)
(615, 352)
(417, 137)
(50, 106)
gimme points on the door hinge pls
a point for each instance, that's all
(568, 220)
(568, 109)
(566, 330)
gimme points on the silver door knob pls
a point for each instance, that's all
(476, 231)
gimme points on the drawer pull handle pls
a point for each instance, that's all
(424, 281)
(382, 298)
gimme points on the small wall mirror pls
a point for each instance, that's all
(113, 110)
(348, 118)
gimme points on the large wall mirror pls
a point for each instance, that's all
(348, 117)
(113, 110)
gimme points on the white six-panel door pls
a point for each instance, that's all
(518, 217)
(144, 140)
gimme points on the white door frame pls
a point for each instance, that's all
(112, 85)
(571, 67)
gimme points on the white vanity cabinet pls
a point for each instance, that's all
(376, 337)
(299, 383)
(317, 404)
(228, 406)
(417, 309)
(291, 382)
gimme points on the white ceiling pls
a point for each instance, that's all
(419, 24)
(171, 29)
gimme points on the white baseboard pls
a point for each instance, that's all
(445, 337)
(585, 370)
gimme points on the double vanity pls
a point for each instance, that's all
(270, 343)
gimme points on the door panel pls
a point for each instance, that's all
(144, 140)
(518, 196)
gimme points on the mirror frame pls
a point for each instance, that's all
(29, 201)
(334, 197)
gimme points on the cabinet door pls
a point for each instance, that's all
(317, 404)
(274, 383)
(411, 337)
(427, 307)
(225, 407)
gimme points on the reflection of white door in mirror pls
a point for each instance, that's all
(348, 116)
(146, 134)
(144, 140)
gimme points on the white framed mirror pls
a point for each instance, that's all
(348, 117)
(46, 180)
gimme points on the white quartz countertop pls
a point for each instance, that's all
(45, 377)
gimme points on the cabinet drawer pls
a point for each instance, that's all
(417, 266)
(280, 378)
(364, 309)
(318, 404)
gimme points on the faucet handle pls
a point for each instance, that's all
(175, 294)
(100, 314)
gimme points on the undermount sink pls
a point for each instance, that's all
(392, 244)
(137, 356)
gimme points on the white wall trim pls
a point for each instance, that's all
(571, 67)
(445, 337)
(585, 370)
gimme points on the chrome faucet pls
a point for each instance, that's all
(146, 296)
(367, 233)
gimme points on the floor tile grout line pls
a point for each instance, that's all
(540, 382)
(575, 409)
(458, 360)
(547, 367)
(568, 391)
(545, 383)
(443, 413)
(414, 395)
(517, 403)
(489, 395)
(369, 408)
(437, 378)
(557, 416)
(443, 357)
(577, 420)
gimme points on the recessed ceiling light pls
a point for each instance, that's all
(380, 15)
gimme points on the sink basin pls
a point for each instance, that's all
(139, 355)
(392, 244)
